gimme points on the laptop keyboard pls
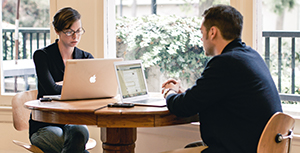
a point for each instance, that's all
(144, 101)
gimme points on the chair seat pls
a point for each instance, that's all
(188, 150)
(90, 144)
(29, 147)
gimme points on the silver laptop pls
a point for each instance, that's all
(133, 86)
(88, 79)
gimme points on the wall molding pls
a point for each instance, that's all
(6, 114)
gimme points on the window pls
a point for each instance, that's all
(165, 35)
(18, 72)
(282, 47)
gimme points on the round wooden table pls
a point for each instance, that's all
(118, 125)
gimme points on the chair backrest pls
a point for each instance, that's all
(20, 113)
(21, 116)
(277, 134)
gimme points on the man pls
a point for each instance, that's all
(235, 95)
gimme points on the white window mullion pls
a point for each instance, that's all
(1, 55)
(109, 29)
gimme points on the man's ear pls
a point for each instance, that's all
(213, 32)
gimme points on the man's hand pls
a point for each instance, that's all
(172, 84)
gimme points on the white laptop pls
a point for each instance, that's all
(88, 79)
(133, 86)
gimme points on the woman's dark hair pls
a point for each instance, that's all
(226, 18)
(64, 18)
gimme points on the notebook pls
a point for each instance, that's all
(88, 79)
(132, 84)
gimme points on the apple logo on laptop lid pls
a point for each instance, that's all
(93, 79)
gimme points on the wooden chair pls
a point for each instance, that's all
(275, 138)
(277, 134)
(188, 150)
(21, 117)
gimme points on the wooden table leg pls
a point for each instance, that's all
(118, 140)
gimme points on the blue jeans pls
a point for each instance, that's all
(69, 139)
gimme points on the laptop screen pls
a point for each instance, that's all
(131, 79)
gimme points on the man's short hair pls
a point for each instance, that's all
(226, 18)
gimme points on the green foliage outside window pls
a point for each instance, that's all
(33, 13)
(172, 43)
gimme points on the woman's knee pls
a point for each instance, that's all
(52, 132)
(49, 139)
(79, 131)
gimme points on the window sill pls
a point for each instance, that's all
(292, 109)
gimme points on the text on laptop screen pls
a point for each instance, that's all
(131, 80)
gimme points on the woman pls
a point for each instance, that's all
(50, 64)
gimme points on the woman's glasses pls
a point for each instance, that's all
(70, 32)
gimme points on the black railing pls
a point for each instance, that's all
(279, 35)
(28, 38)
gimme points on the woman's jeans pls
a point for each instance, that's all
(69, 139)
